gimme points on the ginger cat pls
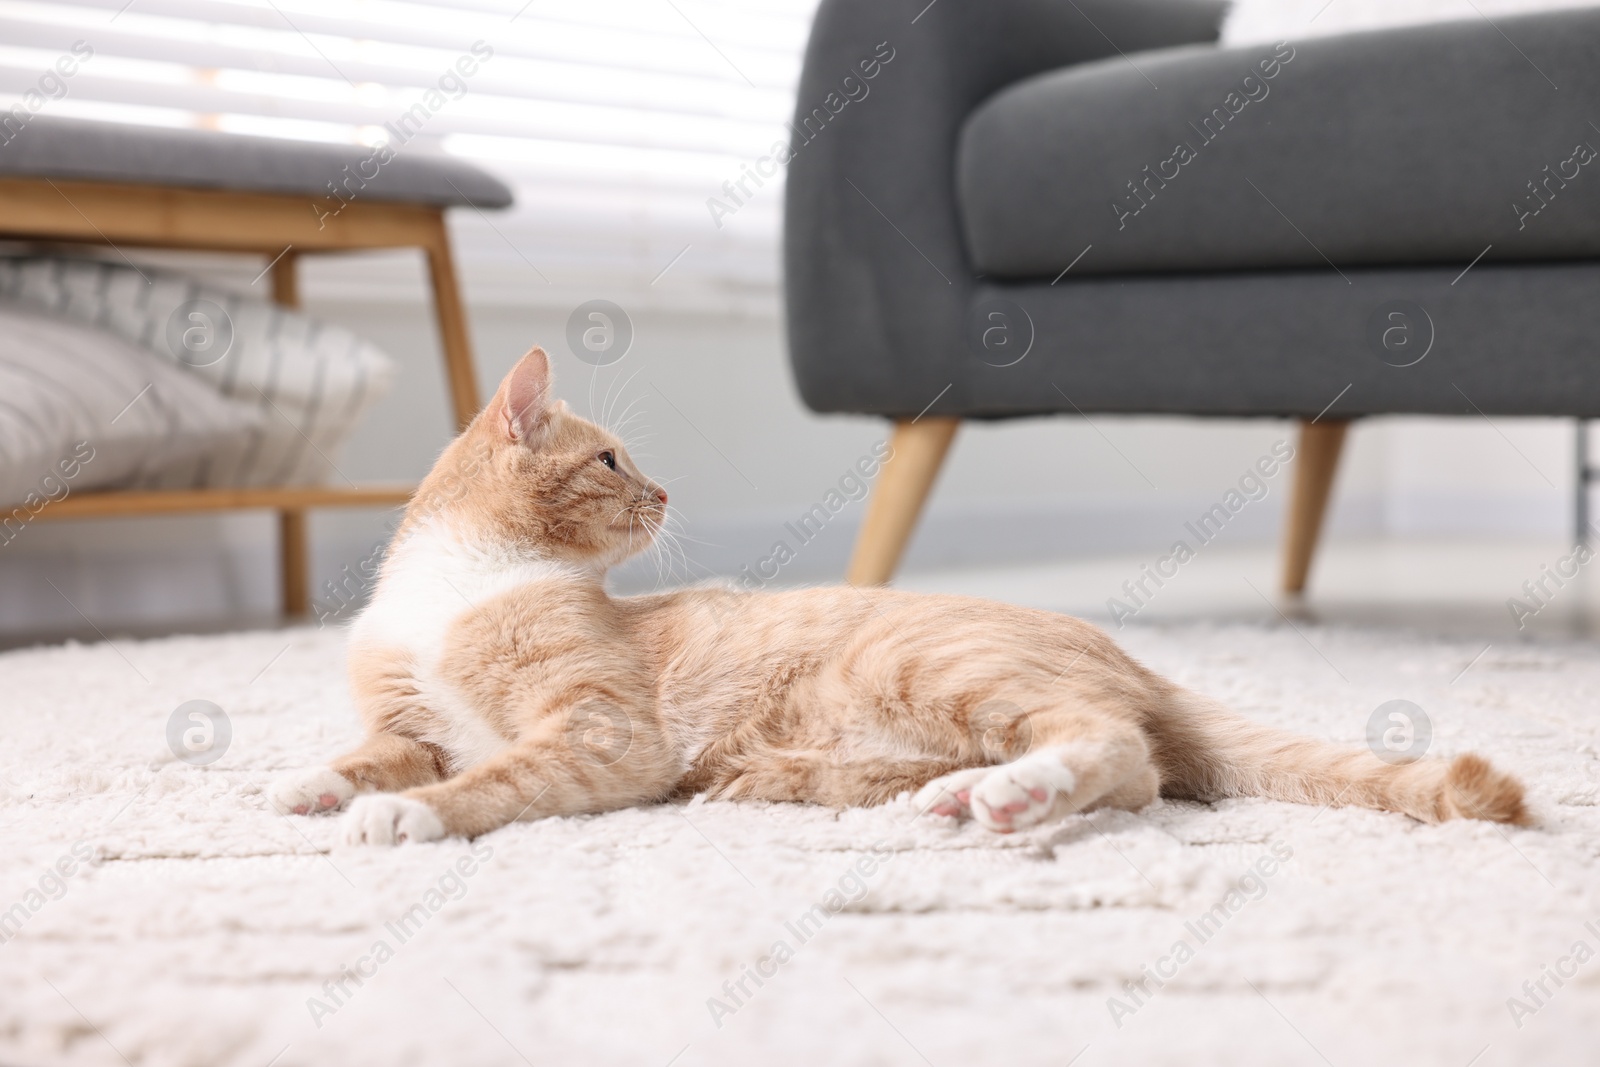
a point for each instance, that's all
(499, 681)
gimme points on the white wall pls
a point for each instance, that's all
(1036, 489)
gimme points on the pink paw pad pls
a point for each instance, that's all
(299, 809)
(1003, 814)
(327, 800)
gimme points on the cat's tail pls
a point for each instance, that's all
(1205, 752)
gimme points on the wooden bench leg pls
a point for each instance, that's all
(1316, 462)
(294, 547)
(451, 314)
(919, 448)
(294, 553)
(286, 280)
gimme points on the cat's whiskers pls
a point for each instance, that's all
(679, 535)
(672, 541)
(633, 444)
(605, 400)
(608, 404)
(628, 415)
(666, 569)
(665, 551)
(653, 519)
(670, 528)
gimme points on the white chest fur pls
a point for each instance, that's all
(429, 581)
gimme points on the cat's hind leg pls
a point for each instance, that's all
(1077, 760)
(950, 794)
(385, 763)
(817, 777)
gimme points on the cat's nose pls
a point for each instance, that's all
(661, 495)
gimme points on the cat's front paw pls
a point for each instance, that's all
(310, 792)
(387, 819)
(950, 794)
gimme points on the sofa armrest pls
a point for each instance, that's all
(877, 277)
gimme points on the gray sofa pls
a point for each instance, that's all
(1086, 206)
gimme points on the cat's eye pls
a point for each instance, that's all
(609, 458)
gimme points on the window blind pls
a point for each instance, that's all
(615, 121)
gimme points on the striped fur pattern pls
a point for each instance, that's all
(498, 680)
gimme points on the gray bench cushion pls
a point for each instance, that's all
(1402, 147)
(146, 155)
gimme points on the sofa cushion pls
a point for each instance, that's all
(1416, 146)
(151, 155)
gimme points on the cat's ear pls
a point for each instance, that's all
(523, 401)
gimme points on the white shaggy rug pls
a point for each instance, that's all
(206, 930)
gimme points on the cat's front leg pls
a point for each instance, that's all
(310, 791)
(599, 761)
(390, 819)
(384, 763)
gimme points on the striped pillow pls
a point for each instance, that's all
(309, 381)
(81, 409)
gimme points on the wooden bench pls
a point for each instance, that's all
(105, 184)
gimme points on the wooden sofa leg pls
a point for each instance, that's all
(919, 448)
(1318, 460)
(295, 563)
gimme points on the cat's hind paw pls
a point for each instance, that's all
(316, 791)
(387, 819)
(949, 794)
(1017, 795)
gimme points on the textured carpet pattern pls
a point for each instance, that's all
(205, 930)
